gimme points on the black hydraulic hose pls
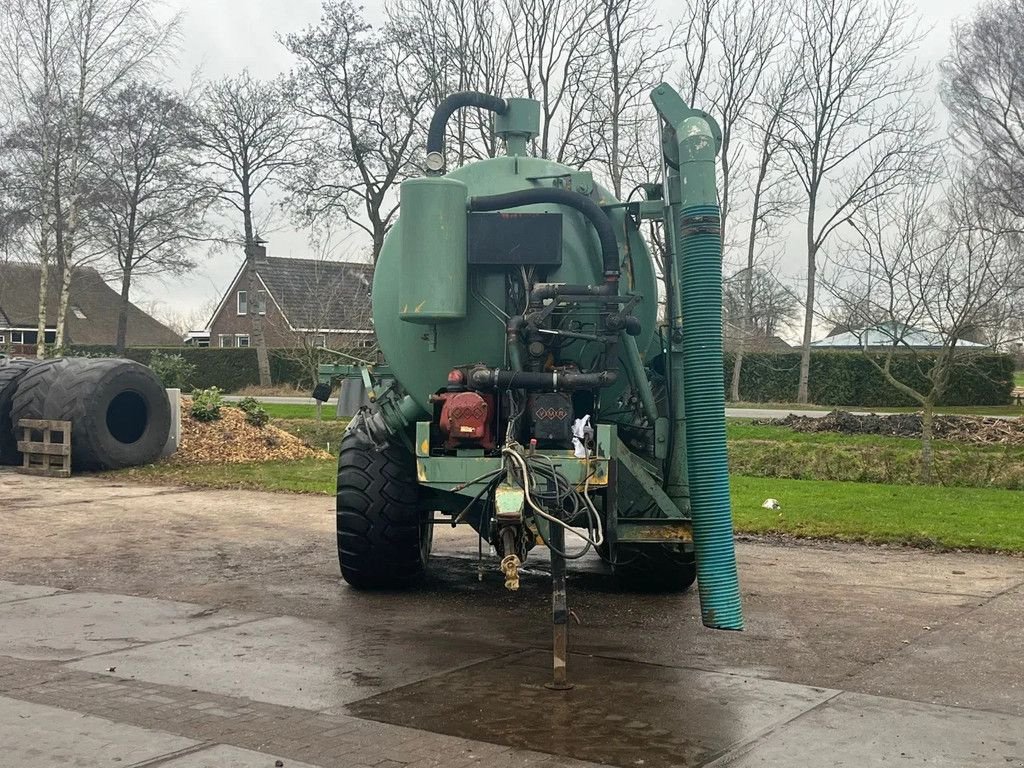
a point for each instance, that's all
(591, 210)
(499, 378)
(448, 106)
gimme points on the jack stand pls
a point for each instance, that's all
(559, 613)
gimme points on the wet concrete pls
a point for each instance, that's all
(235, 598)
(35, 736)
(619, 712)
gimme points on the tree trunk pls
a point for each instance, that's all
(44, 287)
(737, 367)
(927, 454)
(122, 312)
(803, 391)
(62, 308)
(259, 339)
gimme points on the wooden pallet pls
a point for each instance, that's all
(46, 447)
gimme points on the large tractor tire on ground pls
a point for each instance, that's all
(384, 535)
(11, 373)
(655, 567)
(118, 409)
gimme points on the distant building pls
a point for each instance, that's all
(884, 335)
(755, 342)
(91, 318)
(303, 302)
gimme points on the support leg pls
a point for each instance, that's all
(559, 613)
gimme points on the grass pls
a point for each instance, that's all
(962, 518)
(303, 476)
(299, 411)
(950, 518)
(1018, 379)
(319, 434)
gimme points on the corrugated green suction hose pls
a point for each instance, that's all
(704, 387)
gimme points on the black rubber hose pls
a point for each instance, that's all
(448, 106)
(594, 213)
(499, 378)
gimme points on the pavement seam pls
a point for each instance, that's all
(164, 759)
(931, 633)
(735, 751)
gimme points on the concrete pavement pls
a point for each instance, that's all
(144, 626)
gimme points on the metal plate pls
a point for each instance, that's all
(497, 239)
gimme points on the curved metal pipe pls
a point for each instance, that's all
(447, 107)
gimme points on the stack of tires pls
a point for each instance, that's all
(118, 409)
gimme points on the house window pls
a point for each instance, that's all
(243, 303)
(261, 302)
(17, 337)
(241, 340)
(202, 342)
(3, 340)
(320, 341)
(226, 340)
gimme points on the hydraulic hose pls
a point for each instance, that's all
(447, 107)
(591, 210)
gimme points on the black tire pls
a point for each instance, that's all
(384, 535)
(655, 567)
(11, 372)
(118, 409)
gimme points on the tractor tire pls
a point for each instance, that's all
(118, 409)
(384, 535)
(11, 373)
(655, 568)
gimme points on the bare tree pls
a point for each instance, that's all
(772, 202)
(730, 47)
(856, 132)
(248, 134)
(152, 204)
(983, 89)
(925, 271)
(362, 98)
(556, 50)
(62, 62)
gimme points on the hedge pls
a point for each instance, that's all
(837, 378)
(229, 368)
(849, 378)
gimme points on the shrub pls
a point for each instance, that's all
(174, 370)
(255, 413)
(206, 404)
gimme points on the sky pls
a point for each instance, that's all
(221, 37)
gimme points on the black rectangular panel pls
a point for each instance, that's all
(515, 238)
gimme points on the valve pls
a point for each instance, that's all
(510, 567)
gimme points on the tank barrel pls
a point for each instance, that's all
(699, 395)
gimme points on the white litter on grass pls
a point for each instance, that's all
(771, 504)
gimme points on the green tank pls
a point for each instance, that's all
(420, 357)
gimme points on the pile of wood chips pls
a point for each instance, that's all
(985, 430)
(232, 440)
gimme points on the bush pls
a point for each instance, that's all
(849, 378)
(255, 413)
(174, 371)
(206, 404)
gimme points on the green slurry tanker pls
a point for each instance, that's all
(533, 391)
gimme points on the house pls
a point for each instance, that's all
(303, 302)
(885, 335)
(91, 318)
(732, 335)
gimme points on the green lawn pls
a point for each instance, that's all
(298, 411)
(968, 518)
(934, 516)
(1018, 379)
